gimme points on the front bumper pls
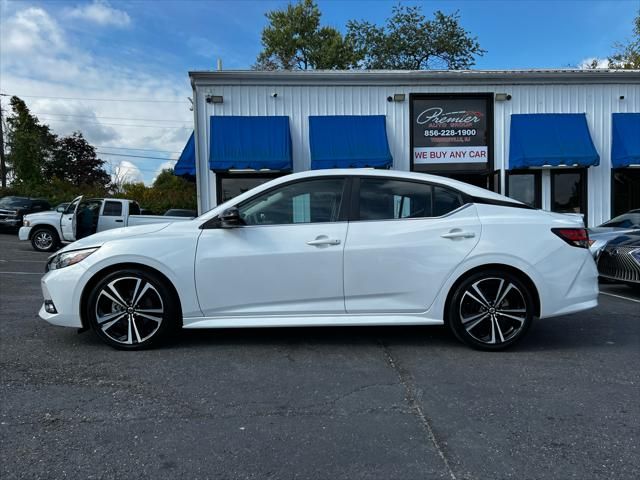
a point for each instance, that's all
(62, 288)
(23, 233)
(10, 222)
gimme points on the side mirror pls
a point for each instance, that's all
(230, 218)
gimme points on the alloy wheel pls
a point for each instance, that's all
(129, 310)
(43, 240)
(493, 310)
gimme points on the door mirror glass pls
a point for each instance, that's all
(230, 218)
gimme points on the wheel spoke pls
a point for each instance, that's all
(473, 325)
(493, 332)
(473, 297)
(149, 310)
(498, 292)
(106, 326)
(105, 318)
(150, 317)
(135, 329)
(135, 291)
(495, 319)
(116, 294)
(513, 317)
(504, 294)
(475, 287)
(473, 317)
(137, 299)
(513, 310)
(129, 337)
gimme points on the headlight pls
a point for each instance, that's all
(66, 259)
(26, 223)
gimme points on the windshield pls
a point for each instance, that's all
(15, 202)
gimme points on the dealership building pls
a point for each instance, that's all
(561, 140)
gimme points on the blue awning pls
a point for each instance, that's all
(187, 161)
(346, 141)
(625, 141)
(255, 143)
(551, 139)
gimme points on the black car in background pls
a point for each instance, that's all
(619, 261)
(13, 209)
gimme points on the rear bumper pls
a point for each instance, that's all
(581, 294)
(23, 233)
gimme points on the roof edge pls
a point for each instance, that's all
(409, 77)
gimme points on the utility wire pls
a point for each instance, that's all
(133, 100)
(173, 127)
(137, 156)
(112, 118)
(139, 149)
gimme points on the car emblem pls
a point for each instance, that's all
(615, 251)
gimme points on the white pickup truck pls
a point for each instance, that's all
(83, 217)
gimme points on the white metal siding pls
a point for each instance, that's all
(598, 101)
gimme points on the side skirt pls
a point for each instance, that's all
(308, 321)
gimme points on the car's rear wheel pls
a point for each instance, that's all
(491, 310)
(44, 240)
(132, 309)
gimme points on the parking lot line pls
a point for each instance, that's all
(620, 296)
(22, 273)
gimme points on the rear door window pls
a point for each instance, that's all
(112, 209)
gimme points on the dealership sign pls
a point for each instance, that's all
(450, 132)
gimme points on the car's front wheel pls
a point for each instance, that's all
(491, 310)
(44, 240)
(132, 309)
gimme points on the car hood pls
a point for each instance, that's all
(50, 214)
(98, 239)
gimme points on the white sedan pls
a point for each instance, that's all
(332, 247)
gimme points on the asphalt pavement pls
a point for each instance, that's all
(317, 403)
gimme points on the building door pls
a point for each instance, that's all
(625, 190)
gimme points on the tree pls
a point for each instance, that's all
(30, 144)
(75, 161)
(628, 56)
(408, 41)
(294, 40)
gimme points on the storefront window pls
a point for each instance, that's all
(625, 190)
(525, 187)
(568, 191)
(232, 185)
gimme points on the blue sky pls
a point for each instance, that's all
(64, 53)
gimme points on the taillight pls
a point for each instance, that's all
(576, 237)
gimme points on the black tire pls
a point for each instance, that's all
(491, 310)
(128, 323)
(44, 239)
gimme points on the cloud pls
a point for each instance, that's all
(102, 13)
(126, 172)
(59, 79)
(588, 63)
(29, 30)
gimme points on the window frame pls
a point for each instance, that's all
(584, 179)
(104, 209)
(537, 184)
(613, 210)
(343, 214)
(354, 214)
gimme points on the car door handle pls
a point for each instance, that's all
(453, 234)
(323, 241)
(119, 221)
